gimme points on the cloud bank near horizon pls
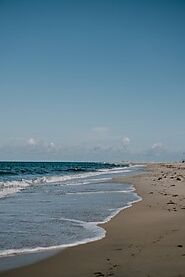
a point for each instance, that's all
(118, 149)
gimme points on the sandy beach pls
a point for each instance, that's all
(147, 239)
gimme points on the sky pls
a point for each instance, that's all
(99, 80)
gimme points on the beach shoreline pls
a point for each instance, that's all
(146, 239)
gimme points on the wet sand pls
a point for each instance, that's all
(147, 239)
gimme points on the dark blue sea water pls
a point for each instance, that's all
(51, 205)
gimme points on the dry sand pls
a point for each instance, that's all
(147, 239)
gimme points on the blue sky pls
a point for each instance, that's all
(92, 80)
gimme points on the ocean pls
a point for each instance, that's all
(52, 205)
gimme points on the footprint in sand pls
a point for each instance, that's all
(111, 268)
(171, 202)
(99, 274)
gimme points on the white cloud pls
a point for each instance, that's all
(52, 145)
(125, 141)
(40, 144)
(32, 142)
(157, 146)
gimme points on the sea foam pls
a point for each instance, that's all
(11, 187)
